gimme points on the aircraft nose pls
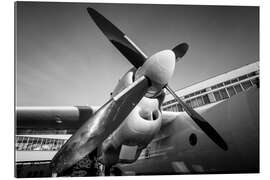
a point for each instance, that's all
(165, 64)
(158, 68)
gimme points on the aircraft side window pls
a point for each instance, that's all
(193, 139)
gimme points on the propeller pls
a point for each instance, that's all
(95, 130)
(137, 58)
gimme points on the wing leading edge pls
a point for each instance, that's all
(45, 117)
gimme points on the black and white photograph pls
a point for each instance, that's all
(118, 89)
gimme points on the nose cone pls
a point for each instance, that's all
(158, 68)
(163, 66)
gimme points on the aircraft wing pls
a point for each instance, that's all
(46, 117)
(69, 117)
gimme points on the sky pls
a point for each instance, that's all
(63, 59)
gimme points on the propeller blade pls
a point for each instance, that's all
(121, 41)
(180, 50)
(95, 130)
(201, 122)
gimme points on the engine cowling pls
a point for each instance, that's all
(141, 124)
(138, 129)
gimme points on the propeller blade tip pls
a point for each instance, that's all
(89, 9)
(92, 12)
(180, 50)
(224, 146)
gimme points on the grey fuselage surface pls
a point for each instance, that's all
(173, 152)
